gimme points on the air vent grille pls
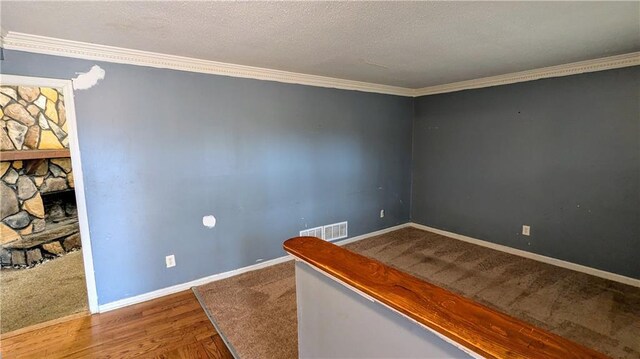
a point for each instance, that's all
(313, 232)
(335, 231)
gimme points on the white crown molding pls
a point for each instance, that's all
(83, 50)
(605, 63)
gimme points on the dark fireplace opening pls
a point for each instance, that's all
(50, 237)
(59, 206)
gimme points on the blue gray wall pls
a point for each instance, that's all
(561, 155)
(162, 148)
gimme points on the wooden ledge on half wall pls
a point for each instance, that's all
(482, 330)
(18, 155)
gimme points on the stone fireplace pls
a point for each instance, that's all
(39, 213)
(37, 199)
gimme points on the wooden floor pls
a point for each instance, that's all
(174, 326)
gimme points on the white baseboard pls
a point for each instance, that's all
(537, 257)
(371, 234)
(184, 286)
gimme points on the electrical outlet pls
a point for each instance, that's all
(526, 230)
(170, 260)
(382, 213)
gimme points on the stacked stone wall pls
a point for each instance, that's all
(34, 118)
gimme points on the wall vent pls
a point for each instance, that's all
(313, 232)
(335, 231)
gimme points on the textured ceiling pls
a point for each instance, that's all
(409, 44)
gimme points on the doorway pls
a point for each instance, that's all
(45, 254)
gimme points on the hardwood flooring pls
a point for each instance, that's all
(174, 326)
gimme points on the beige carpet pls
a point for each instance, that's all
(256, 311)
(48, 291)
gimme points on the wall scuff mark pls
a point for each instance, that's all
(86, 80)
(209, 221)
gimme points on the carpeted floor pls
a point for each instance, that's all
(256, 311)
(48, 291)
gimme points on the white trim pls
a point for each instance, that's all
(78, 177)
(212, 278)
(536, 257)
(83, 50)
(184, 286)
(605, 63)
(372, 234)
